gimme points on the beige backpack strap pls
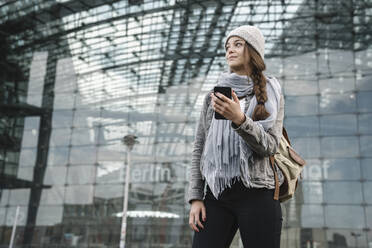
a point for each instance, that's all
(276, 193)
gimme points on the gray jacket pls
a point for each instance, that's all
(263, 143)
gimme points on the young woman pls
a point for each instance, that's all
(232, 182)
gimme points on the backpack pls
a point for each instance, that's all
(291, 164)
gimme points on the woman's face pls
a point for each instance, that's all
(235, 56)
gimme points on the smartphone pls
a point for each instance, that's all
(226, 91)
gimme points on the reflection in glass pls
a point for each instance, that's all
(84, 174)
(309, 126)
(367, 169)
(53, 196)
(337, 103)
(341, 169)
(338, 125)
(367, 191)
(301, 105)
(49, 215)
(343, 192)
(79, 194)
(364, 101)
(344, 216)
(366, 146)
(312, 216)
(364, 121)
(333, 147)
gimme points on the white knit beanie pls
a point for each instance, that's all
(252, 35)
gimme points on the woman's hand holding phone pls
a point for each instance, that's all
(229, 108)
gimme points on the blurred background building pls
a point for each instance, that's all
(78, 75)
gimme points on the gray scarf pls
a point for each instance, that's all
(226, 156)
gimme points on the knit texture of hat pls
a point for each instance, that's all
(252, 35)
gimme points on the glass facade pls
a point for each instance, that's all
(77, 76)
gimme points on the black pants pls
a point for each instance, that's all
(254, 211)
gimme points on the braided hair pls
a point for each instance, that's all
(257, 66)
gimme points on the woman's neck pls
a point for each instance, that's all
(241, 72)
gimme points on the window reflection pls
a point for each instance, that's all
(333, 147)
(344, 216)
(337, 103)
(338, 125)
(312, 216)
(49, 215)
(81, 174)
(364, 122)
(79, 194)
(341, 169)
(343, 192)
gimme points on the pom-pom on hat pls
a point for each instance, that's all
(252, 35)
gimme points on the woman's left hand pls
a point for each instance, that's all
(230, 109)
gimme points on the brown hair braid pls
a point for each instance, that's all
(257, 66)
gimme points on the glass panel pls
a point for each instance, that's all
(79, 194)
(81, 174)
(312, 216)
(367, 190)
(30, 138)
(343, 192)
(338, 125)
(85, 117)
(364, 101)
(58, 156)
(364, 122)
(19, 197)
(60, 137)
(307, 147)
(369, 217)
(302, 126)
(49, 215)
(2, 216)
(32, 123)
(304, 64)
(53, 196)
(55, 175)
(367, 169)
(314, 171)
(333, 147)
(109, 192)
(312, 192)
(62, 118)
(341, 169)
(298, 87)
(28, 157)
(336, 85)
(36, 79)
(340, 103)
(366, 146)
(83, 154)
(113, 172)
(301, 105)
(11, 213)
(364, 83)
(344, 216)
(25, 173)
(85, 136)
(64, 101)
(346, 238)
(4, 197)
(340, 60)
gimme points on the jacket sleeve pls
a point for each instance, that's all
(196, 184)
(264, 143)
